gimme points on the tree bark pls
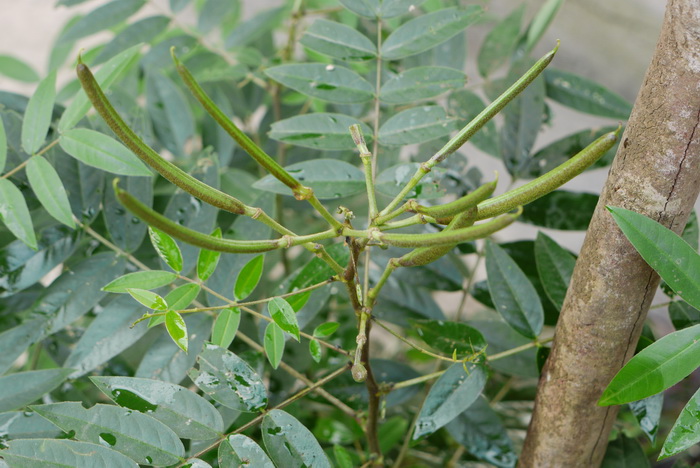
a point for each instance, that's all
(656, 173)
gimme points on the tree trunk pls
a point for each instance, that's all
(656, 172)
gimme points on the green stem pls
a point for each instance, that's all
(374, 292)
(475, 125)
(366, 157)
(24, 163)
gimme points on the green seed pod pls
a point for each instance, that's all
(460, 205)
(168, 170)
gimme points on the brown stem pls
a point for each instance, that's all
(373, 408)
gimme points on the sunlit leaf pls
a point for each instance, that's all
(150, 279)
(228, 379)
(177, 329)
(225, 327)
(37, 117)
(452, 393)
(48, 188)
(325, 329)
(102, 151)
(273, 342)
(166, 247)
(656, 368)
(249, 277)
(148, 298)
(315, 350)
(207, 260)
(284, 316)
(289, 443)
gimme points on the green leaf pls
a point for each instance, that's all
(177, 329)
(102, 151)
(164, 360)
(189, 415)
(523, 119)
(166, 247)
(342, 457)
(329, 178)
(126, 230)
(21, 388)
(177, 5)
(325, 329)
(110, 333)
(140, 437)
(449, 337)
(393, 8)
(142, 31)
(3, 146)
(255, 28)
(657, 367)
(685, 431)
(514, 296)
(225, 327)
(317, 270)
(239, 450)
(585, 95)
(421, 83)
(320, 130)
(332, 83)
(479, 430)
(466, 105)
(207, 260)
(560, 151)
(284, 316)
(315, 350)
(105, 76)
(691, 232)
(683, 315)
(366, 8)
(148, 298)
(391, 432)
(151, 279)
(52, 453)
(273, 343)
(15, 214)
(623, 452)
(14, 341)
(665, 251)
(427, 31)
(561, 209)
(229, 380)
(338, 40)
(555, 266)
(177, 299)
(249, 277)
(289, 443)
(48, 188)
(648, 414)
(454, 392)
(170, 112)
(17, 69)
(37, 117)
(500, 42)
(101, 18)
(26, 425)
(416, 125)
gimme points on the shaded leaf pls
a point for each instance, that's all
(14, 341)
(393, 8)
(416, 125)
(207, 260)
(52, 453)
(150, 279)
(291, 444)
(141, 31)
(366, 8)
(15, 214)
(17, 69)
(48, 188)
(148, 298)
(26, 425)
(102, 151)
(3, 146)
(561, 209)
(683, 315)
(500, 42)
(166, 247)
(391, 432)
(105, 76)
(427, 31)
(648, 414)
(338, 40)
(84, 185)
(481, 432)
(21, 388)
(540, 22)
(665, 251)
(239, 450)
(170, 112)
(421, 83)
(273, 342)
(101, 18)
(585, 95)
(317, 270)
(189, 415)
(514, 296)
(449, 337)
(37, 117)
(403, 301)
(251, 30)
(691, 232)
(140, 437)
(624, 452)
(228, 379)
(452, 393)
(326, 82)
(656, 368)
(320, 130)
(225, 327)
(501, 337)
(177, 329)
(555, 266)
(466, 105)
(284, 316)
(329, 178)
(249, 277)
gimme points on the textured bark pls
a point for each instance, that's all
(655, 172)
